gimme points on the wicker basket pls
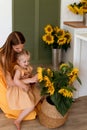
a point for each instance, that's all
(50, 117)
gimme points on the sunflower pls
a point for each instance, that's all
(48, 38)
(48, 29)
(68, 36)
(58, 85)
(56, 37)
(78, 8)
(62, 40)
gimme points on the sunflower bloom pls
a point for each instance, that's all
(48, 38)
(48, 29)
(68, 36)
(47, 81)
(72, 79)
(49, 72)
(56, 29)
(76, 9)
(73, 75)
(73, 72)
(61, 40)
(40, 76)
(61, 33)
(81, 11)
(66, 93)
(71, 8)
(51, 89)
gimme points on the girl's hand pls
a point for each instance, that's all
(34, 78)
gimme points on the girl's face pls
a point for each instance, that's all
(23, 61)
(18, 48)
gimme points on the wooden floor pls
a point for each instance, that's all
(77, 119)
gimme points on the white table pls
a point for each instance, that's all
(77, 55)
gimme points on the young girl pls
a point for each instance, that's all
(23, 69)
(21, 97)
(13, 45)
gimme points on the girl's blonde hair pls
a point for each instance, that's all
(23, 52)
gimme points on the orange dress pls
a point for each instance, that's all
(9, 111)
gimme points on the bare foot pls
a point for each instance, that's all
(17, 125)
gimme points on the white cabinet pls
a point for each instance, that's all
(77, 53)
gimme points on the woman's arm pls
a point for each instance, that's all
(9, 80)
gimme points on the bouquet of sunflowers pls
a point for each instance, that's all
(78, 8)
(58, 85)
(56, 37)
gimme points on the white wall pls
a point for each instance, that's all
(5, 19)
(67, 15)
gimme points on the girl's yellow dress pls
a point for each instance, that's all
(10, 110)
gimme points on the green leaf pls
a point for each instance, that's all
(62, 103)
(79, 80)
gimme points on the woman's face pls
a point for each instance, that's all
(18, 48)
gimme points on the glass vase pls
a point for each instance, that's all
(56, 58)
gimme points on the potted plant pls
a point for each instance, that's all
(58, 87)
(58, 39)
(79, 8)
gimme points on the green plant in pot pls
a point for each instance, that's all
(58, 85)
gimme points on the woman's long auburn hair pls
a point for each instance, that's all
(6, 51)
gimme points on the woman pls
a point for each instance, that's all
(13, 45)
